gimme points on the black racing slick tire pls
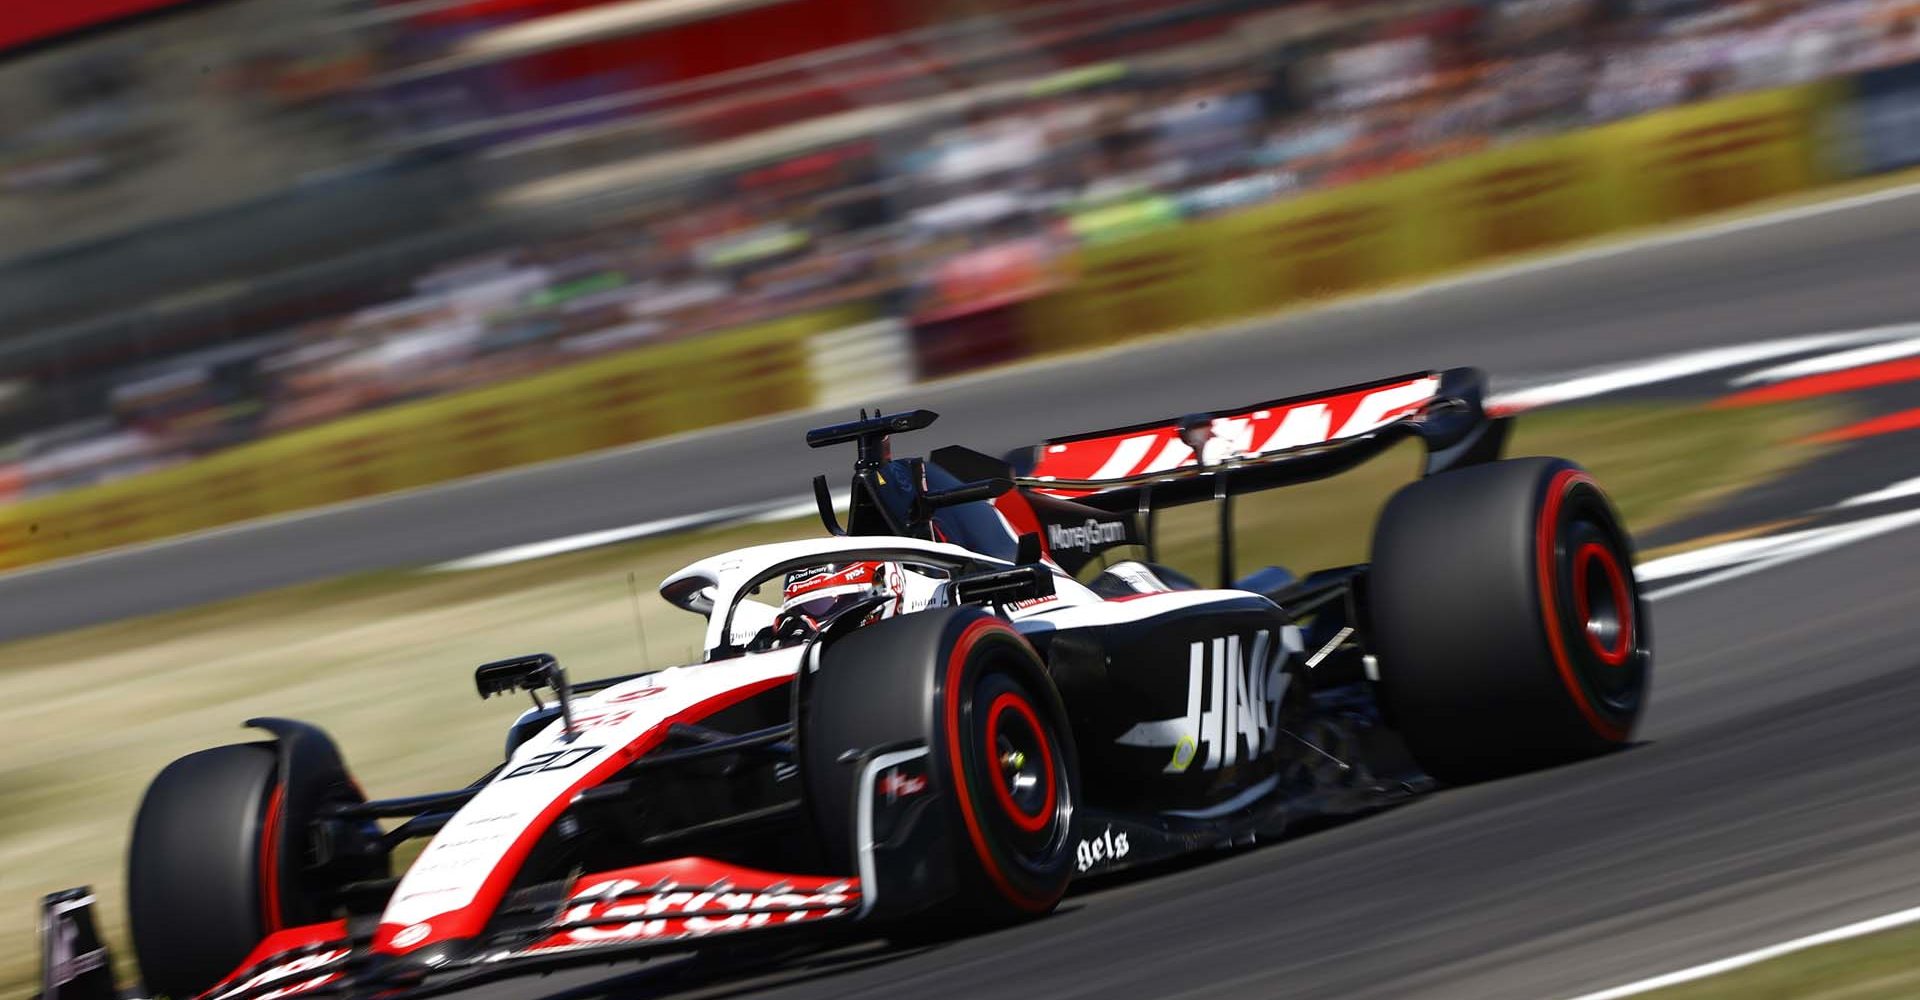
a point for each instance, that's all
(966, 686)
(198, 883)
(1510, 632)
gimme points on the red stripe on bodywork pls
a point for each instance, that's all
(1827, 383)
(469, 920)
(1546, 533)
(1025, 520)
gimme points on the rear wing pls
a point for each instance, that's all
(1218, 455)
(1213, 455)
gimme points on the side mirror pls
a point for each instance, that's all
(527, 673)
(1004, 587)
(984, 489)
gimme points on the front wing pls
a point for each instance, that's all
(659, 907)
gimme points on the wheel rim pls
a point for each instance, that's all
(1017, 771)
(1593, 611)
(1018, 749)
(1602, 603)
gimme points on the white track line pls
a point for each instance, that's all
(594, 539)
(756, 513)
(1861, 929)
(1751, 555)
(1904, 348)
(1900, 490)
(1616, 378)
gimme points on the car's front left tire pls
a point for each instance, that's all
(965, 695)
(201, 885)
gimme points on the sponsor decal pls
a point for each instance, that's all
(296, 989)
(552, 760)
(410, 936)
(1228, 706)
(289, 969)
(595, 720)
(1102, 850)
(1235, 685)
(1184, 751)
(66, 970)
(673, 915)
(896, 784)
(1214, 439)
(804, 580)
(1032, 602)
(69, 962)
(1086, 537)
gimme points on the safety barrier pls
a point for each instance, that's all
(1545, 192)
(763, 369)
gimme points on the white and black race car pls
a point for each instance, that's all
(939, 715)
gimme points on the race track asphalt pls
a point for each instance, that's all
(1776, 793)
(1839, 270)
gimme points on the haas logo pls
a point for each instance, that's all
(1233, 705)
(897, 784)
(1235, 686)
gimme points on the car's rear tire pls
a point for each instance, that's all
(1510, 631)
(198, 881)
(971, 690)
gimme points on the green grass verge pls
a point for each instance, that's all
(384, 661)
(1884, 966)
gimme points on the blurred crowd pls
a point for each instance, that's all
(969, 204)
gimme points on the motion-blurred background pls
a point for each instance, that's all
(260, 256)
(257, 255)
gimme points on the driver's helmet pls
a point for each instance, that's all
(818, 593)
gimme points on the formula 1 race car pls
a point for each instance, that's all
(977, 690)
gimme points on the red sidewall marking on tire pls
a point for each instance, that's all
(1035, 821)
(956, 667)
(1622, 601)
(1546, 533)
(270, 859)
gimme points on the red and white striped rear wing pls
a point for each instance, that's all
(1267, 445)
